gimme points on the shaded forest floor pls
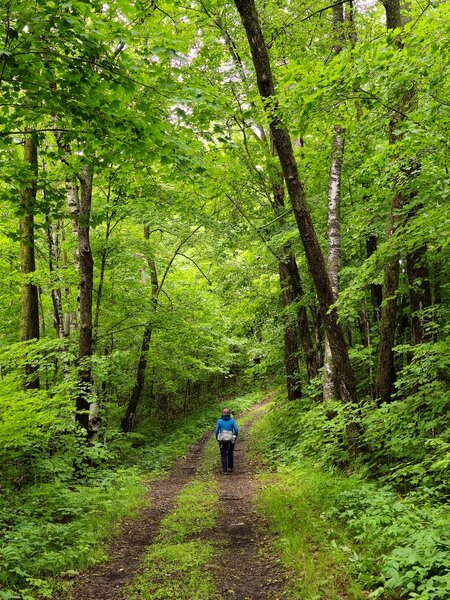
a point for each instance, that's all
(154, 554)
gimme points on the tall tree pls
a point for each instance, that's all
(29, 314)
(315, 259)
(330, 384)
(417, 271)
(85, 291)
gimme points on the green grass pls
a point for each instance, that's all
(195, 511)
(313, 548)
(178, 565)
(176, 571)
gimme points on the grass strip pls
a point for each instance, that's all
(178, 565)
(312, 547)
(176, 571)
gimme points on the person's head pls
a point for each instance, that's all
(225, 412)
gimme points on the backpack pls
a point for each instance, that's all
(225, 436)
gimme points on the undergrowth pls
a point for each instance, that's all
(341, 529)
(58, 524)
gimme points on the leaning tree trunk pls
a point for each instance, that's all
(128, 419)
(29, 314)
(290, 282)
(86, 268)
(314, 256)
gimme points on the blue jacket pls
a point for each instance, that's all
(226, 423)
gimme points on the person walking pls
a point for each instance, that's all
(226, 435)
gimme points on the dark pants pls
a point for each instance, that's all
(226, 455)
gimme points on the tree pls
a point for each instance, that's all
(316, 263)
(29, 316)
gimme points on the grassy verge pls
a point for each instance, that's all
(343, 536)
(313, 548)
(177, 566)
(60, 524)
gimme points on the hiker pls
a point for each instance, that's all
(226, 435)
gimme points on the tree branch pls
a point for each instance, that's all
(255, 229)
(175, 254)
(193, 261)
(297, 18)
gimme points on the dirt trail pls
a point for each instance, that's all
(245, 565)
(244, 568)
(108, 581)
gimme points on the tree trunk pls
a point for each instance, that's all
(330, 384)
(419, 293)
(53, 263)
(314, 256)
(306, 338)
(291, 348)
(86, 266)
(103, 258)
(376, 290)
(29, 314)
(128, 419)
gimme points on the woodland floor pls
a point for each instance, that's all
(244, 566)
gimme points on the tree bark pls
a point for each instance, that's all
(330, 384)
(86, 268)
(315, 259)
(29, 314)
(128, 419)
(388, 315)
(291, 348)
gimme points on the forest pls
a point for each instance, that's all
(209, 203)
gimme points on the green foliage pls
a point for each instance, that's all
(50, 529)
(396, 546)
(404, 542)
(304, 429)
